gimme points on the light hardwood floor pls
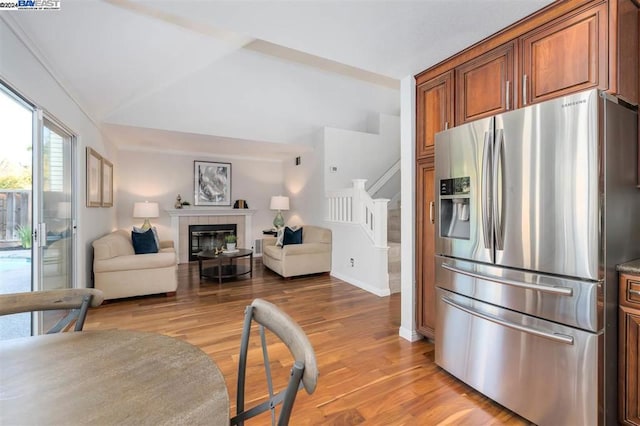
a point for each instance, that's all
(368, 374)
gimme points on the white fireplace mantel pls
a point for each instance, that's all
(176, 214)
(203, 211)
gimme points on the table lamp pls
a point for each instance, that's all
(146, 210)
(279, 202)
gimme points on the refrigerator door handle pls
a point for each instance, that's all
(497, 212)
(485, 197)
(557, 337)
(560, 291)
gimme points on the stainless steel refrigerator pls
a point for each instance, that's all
(536, 207)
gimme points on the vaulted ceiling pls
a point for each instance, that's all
(228, 75)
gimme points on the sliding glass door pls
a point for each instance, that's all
(16, 202)
(54, 210)
(36, 208)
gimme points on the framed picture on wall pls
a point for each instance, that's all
(212, 183)
(94, 178)
(107, 183)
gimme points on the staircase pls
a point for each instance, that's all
(388, 184)
(393, 241)
(366, 232)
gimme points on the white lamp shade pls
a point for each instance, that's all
(279, 202)
(146, 210)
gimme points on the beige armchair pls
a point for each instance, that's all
(311, 257)
(119, 272)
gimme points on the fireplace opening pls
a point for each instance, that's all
(208, 237)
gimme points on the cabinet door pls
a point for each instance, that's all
(565, 56)
(485, 86)
(434, 100)
(624, 74)
(425, 245)
(629, 340)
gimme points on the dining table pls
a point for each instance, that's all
(107, 378)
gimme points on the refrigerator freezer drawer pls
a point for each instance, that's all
(541, 370)
(562, 300)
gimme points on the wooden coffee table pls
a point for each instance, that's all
(222, 269)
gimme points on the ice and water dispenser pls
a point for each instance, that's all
(455, 208)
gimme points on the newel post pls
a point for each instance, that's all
(358, 205)
(380, 224)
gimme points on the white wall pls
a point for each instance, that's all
(304, 185)
(160, 177)
(356, 155)
(360, 155)
(369, 270)
(408, 231)
(23, 71)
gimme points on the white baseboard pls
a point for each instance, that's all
(362, 285)
(410, 335)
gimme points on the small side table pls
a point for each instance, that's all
(270, 232)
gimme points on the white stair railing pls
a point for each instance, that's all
(355, 205)
(373, 189)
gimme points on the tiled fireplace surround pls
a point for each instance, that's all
(182, 218)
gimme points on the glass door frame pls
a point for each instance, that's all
(18, 323)
(39, 237)
(42, 119)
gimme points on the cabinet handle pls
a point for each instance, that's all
(508, 95)
(634, 292)
(431, 218)
(446, 125)
(524, 89)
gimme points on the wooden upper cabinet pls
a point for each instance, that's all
(485, 86)
(624, 42)
(565, 56)
(434, 110)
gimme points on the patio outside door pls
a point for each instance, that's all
(36, 213)
(53, 207)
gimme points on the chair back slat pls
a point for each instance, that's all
(304, 372)
(77, 300)
(281, 324)
(47, 300)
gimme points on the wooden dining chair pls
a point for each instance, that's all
(304, 372)
(78, 300)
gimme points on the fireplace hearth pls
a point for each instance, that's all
(208, 237)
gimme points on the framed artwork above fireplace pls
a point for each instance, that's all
(212, 183)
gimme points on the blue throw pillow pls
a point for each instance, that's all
(291, 236)
(155, 234)
(144, 242)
